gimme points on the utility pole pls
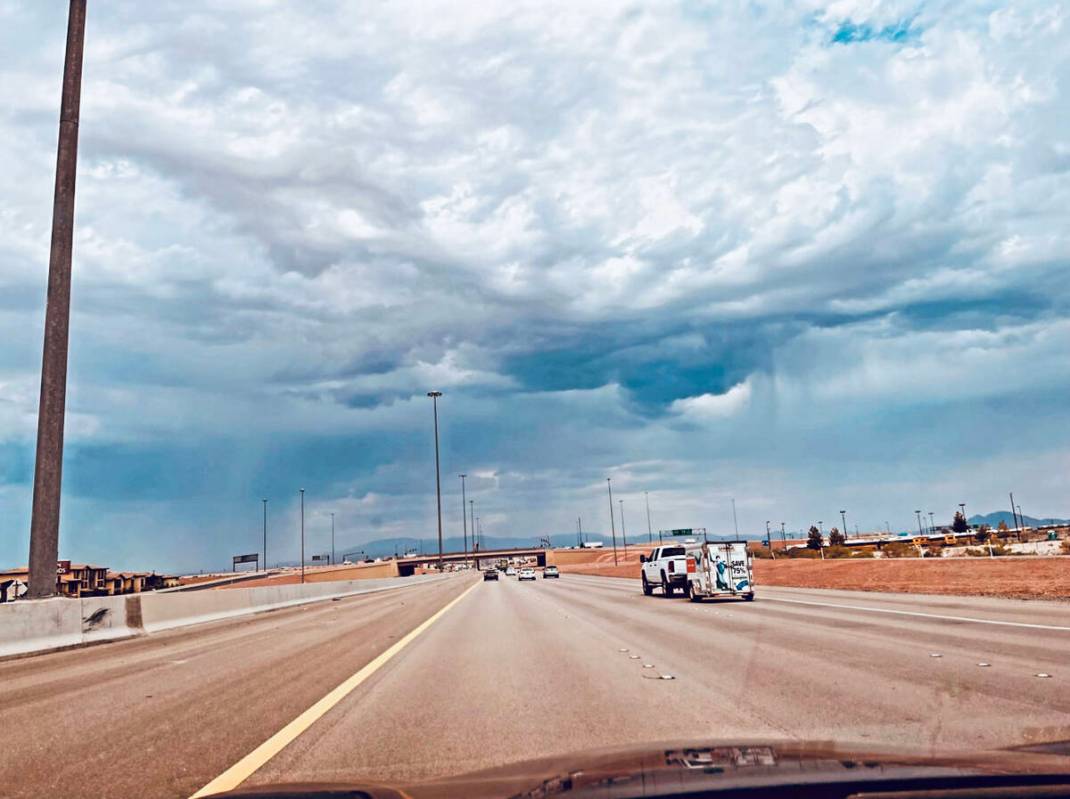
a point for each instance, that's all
(434, 395)
(784, 536)
(464, 521)
(649, 532)
(579, 531)
(623, 533)
(932, 523)
(302, 535)
(332, 539)
(265, 533)
(475, 538)
(735, 521)
(918, 513)
(612, 523)
(1014, 513)
(843, 518)
(48, 464)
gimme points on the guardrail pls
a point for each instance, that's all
(35, 626)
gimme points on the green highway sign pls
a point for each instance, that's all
(687, 531)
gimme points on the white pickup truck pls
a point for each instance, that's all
(666, 568)
(721, 568)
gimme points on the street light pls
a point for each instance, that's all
(962, 507)
(265, 533)
(918, 512)
(332, 539)
(48, 462)
(843, 518)
(623, 534)
(649, 532)
(612, 522)
(932, 524)
(302, 535)
(434, 395)
(475, 539)
(464, 519)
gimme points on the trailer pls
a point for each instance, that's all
(719, 569)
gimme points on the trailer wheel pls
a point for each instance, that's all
(692, 595)
(666, 586)
(748, 597)
(648, 589)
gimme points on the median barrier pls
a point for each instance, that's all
(34, 626)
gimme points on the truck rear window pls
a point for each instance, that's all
(668, 552)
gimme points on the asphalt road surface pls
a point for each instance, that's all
(515, 670)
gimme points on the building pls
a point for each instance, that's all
(83, 579)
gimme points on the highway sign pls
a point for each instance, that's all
(684, 531)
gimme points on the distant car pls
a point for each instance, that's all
(510, 572)
(526, 574)
(550, 571)
(347, 563)
(490, 574)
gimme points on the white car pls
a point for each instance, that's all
(526, 574)
(510, 572)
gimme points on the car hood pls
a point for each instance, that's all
(677, 768)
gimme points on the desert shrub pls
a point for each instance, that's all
(761, 553)
(898, 550)
(805, 553)
(1065, 546)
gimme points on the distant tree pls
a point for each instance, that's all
(813, 538)
(1002, 526)
(836, 538)
(959, 525)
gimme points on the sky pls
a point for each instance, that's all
(807, 256)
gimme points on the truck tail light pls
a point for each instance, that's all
(690, 565)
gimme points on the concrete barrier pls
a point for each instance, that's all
(164, 612)
(33, 626)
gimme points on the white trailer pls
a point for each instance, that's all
(719, 568)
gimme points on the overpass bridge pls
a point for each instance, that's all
(483, 558)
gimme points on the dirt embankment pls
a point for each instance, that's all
(1027, 578)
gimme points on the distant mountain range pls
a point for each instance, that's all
(993, 519)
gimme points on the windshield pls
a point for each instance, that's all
(367, 370)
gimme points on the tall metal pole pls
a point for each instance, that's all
(623, 533)
(932, 523)
(735, 521)
(265, 533)
(962, 507)
(612, 523)
(332, 539)
(784, 536)
(48, 466)
(579, 531)
(649, 532)
(475, 539)
(464, 520)
(918, 512)
(302, 535)
(1014, 513)
(434, 395)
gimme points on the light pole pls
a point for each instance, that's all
(302, 535)
(434, 395)
(783, 536)
(821, 529)
(1021, 516)
(735, 521)
(649, 531)
(464, 520)
(918, 513)
(332, 539)
(932, 524)
(962, 507)
(579, 531)
(475, 539)
(48, 464)
(265, 533)
(612, 523)
(843, 518)
(1014, 513)
(623, 534)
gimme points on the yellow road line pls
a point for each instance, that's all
(244, 768)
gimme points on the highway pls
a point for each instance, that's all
(511, 671)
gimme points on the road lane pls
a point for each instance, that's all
(163, 715)
(519, 670)
(533, 669)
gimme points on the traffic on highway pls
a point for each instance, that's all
(429, 399)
